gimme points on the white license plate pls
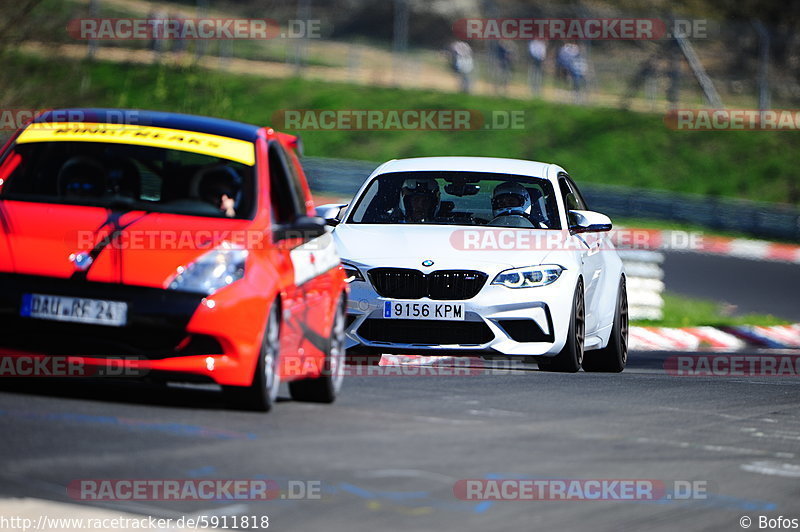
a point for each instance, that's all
(75, 309)
(417, 310)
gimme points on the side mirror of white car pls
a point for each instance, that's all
(332, 212)
(588, 222)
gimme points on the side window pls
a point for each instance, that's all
(572, 198)
(578, 196)
(286, 205)
(570, 202)
(295, 179)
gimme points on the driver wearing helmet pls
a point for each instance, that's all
(419, 199)
(220, 186)
(511, 200)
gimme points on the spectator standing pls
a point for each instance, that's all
(579, 67)
(157, 20)
(461, 62)
(504, 63)
(537, 51)
(179, 42)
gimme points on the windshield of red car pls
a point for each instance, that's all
(128, 177)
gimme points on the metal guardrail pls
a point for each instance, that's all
(341, 177)
(762, 220)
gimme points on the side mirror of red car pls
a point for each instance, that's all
(303, 227)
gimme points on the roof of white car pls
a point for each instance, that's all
(494, 165)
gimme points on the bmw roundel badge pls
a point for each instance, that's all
(427, 263)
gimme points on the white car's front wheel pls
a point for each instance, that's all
(614, 356)
(570, 358)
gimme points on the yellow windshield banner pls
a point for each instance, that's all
(237, 150)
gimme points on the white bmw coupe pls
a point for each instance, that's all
(499, 258)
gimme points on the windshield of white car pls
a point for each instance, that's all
(128, 177)
(458, 198)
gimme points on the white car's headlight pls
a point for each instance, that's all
(352, 272)
(211, 271)
(529, 276)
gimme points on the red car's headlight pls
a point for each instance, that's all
(213, 270)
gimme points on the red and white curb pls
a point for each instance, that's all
(777, 336)
(685, 339)
(714, 338)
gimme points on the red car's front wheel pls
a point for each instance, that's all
(325, 388)
(262, 393)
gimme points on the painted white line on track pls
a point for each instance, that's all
(776, 469)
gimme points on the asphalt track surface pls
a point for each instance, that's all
(752, 286)
(389, 452)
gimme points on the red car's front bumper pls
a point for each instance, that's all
(166, 331)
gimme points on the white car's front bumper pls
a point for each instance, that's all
(498, 320)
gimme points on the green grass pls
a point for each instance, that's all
(681, 311)
(596, 145)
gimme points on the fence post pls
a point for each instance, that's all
(301, 43)
(201, 44)
(763, 67)
(400, 38)
(94, 11)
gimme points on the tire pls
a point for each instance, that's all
(571, 356)
(613, 357)
(326, 387)
(261, 395)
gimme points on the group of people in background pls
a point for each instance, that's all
(571, 65)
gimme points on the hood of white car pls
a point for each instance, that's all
(449, 247)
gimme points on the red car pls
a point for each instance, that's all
(176, 246)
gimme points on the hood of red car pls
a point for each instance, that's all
(93, 243)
